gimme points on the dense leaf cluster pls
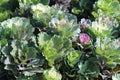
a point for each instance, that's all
(59, 39)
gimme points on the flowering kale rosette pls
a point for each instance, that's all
(20, 48)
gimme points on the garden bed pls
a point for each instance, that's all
(59, 40)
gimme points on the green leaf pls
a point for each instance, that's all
(87, 69)
(116, 76)
(53, 47)
(6, 50)
(108, 50)
(73, 57)
(69, 29)
(71, 17)
(42, 38)
(3, 1)
(45, 2)
(41, 13)
(67, 26)
(82, 67)
(18, 28)
(5, 15)
(58, 42)
(76, 11)
(52, 74)
(108, 8)
(3, 42)
(28, 78)
(50, 53)
(29, 1)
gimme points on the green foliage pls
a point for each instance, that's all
(41, 13)
(19, 46)
(52, 74)
(87, 69)
(43, 40)
(9, 4)
(45, 14)
(108, 50)
(5, 15)
(53, 47)
(2, 43)
(73, 58)
(3, 1)
(28, 78)
(25, 9)
(116, 77)
(17, 28)
(82, 8)
(80, 5)
(27, 2)
(6, 9)
(67, 26)
(108, 8)
(45, 2)
(102, 29)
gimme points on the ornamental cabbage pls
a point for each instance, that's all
(16, 28)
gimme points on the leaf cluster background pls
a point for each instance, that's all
(59, 39)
